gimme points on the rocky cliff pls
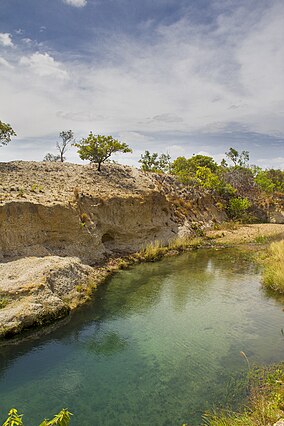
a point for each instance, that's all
(59, 221)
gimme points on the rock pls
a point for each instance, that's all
(279, 423)
(40, 291)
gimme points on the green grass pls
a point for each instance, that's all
(3, 302)
(261, 239)
(265, 404)
(273, 273)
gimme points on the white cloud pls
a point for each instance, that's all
(44, 65)
(76, 3)
(5, 63)
(190, 80)
(6, 40)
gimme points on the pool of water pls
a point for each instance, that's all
(159, 346)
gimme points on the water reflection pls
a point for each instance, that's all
(159, 345)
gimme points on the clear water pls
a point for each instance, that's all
(159, 346)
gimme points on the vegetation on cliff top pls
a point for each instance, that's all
(6, 132)
(241, 188)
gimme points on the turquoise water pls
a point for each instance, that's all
(159, 346)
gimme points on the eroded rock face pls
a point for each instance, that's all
(91, 215)
(56, 219)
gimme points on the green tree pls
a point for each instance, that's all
(264, 182)
(277, 177)
(186, 168)
(67, 137)
(98, 148)
(199, 160)
(6, 132)
(207, 179)
(238, 159)
(154, 162)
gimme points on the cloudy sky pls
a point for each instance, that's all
(176, 76)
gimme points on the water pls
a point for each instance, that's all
(159, 346)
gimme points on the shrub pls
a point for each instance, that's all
(237, 208)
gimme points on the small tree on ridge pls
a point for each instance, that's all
(98, 148)
(67, 137)
(6, 132)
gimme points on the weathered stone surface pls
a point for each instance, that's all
(39, 290)
(72, 210)
(279, 423)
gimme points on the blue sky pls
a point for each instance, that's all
(182, 77)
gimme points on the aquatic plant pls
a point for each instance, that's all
(265, 404)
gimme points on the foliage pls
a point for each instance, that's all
(154, 162)
(238, 207)
(51, 157)
(191, 165)
(14, 419)
(277, 177)
(264, 182)
(238, 159)
(265, 404)
(273, 273)
(3, 302)
(98, 148)
(6, 132)
(60, 419)
(207, 179)
(67, 137)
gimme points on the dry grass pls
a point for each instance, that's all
(273, 274)
(265, 405)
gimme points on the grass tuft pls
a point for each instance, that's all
(273, 273)
(265, 405)
(4, 302)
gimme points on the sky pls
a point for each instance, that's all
(181, 77)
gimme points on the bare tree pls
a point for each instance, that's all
(51, 157)
(67, 137)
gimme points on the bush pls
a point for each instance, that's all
(237, 208)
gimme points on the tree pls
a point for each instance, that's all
(67, 137)
(154, 163)
(199, 160)
(238, 159)
(51, 157)
(6, 132)
(98, 148)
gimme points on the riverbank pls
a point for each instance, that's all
(35, 292)
(64, 228)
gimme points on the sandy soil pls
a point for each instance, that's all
(247, 233)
